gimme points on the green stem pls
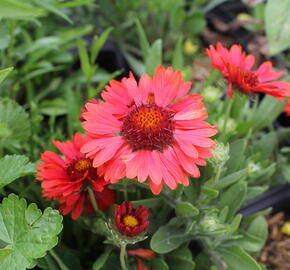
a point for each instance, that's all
(61, 265)
(94, 203)
(227, 116)
(218, 173)
(123, 254)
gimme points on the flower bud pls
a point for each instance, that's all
(211, 94)
(220, 154)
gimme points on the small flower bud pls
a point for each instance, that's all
(211, 94)
(231, 125)
(220, 154)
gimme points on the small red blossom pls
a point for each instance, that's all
(65, 179)
(143, 253)
(236, 67)
(287, 108)
(129, 222)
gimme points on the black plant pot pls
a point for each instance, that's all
(278, 198)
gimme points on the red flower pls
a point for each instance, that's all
(287, 108)
(142, 132)
(131, 223)
(236, 67)
(143, 253)
(66, 179)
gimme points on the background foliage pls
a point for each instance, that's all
(54, 55)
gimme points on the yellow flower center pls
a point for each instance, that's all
(130, 221)
(83, 165)
(147, 118)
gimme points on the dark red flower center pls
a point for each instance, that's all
(250, 78)
(80, 168)
(148, 127)
(130, 221)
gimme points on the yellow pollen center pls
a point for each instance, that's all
(130, 221)
(147, 118)
(83, 165)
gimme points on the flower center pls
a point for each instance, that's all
(250, 78)
(77, 168)
(148, 127)
(130, 221)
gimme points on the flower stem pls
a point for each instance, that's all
(94, 203)
(218, 173)
(123, 257)
(227, 116)
(60, 263)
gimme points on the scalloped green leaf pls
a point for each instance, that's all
(14, 122)
(26, 233)
(13, 167)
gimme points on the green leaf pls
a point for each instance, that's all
(98, 43)
(266, 113)
(54, 107)
(168, 238)
(158, 264)
(85, 63)
(4, 73)
(233, 197)
(237, 259)
(154, 57)
(180, 259)
(15, 120)
(74, 3)
(278, 32)
(232, 178)
(13, 167)
(177, 58)
(255, 237)
(186, 209)
(100, 262)
(53, 10)
(195, 23)
(15, 9)
(237, 157)
(209, 192)
(144, 43)
(27, 231)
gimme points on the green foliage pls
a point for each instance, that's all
(276, 32)
(4, 73)
(16, 9)
(26, 233)
(13, 167)
(14, 123)
(237, 259)
(55, 47)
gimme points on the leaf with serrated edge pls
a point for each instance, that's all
(27, 232)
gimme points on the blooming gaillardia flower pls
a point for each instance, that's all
(236, 67)
(151, 130)
(129, 222)
(66, 179)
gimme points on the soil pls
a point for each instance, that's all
(276, 253)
